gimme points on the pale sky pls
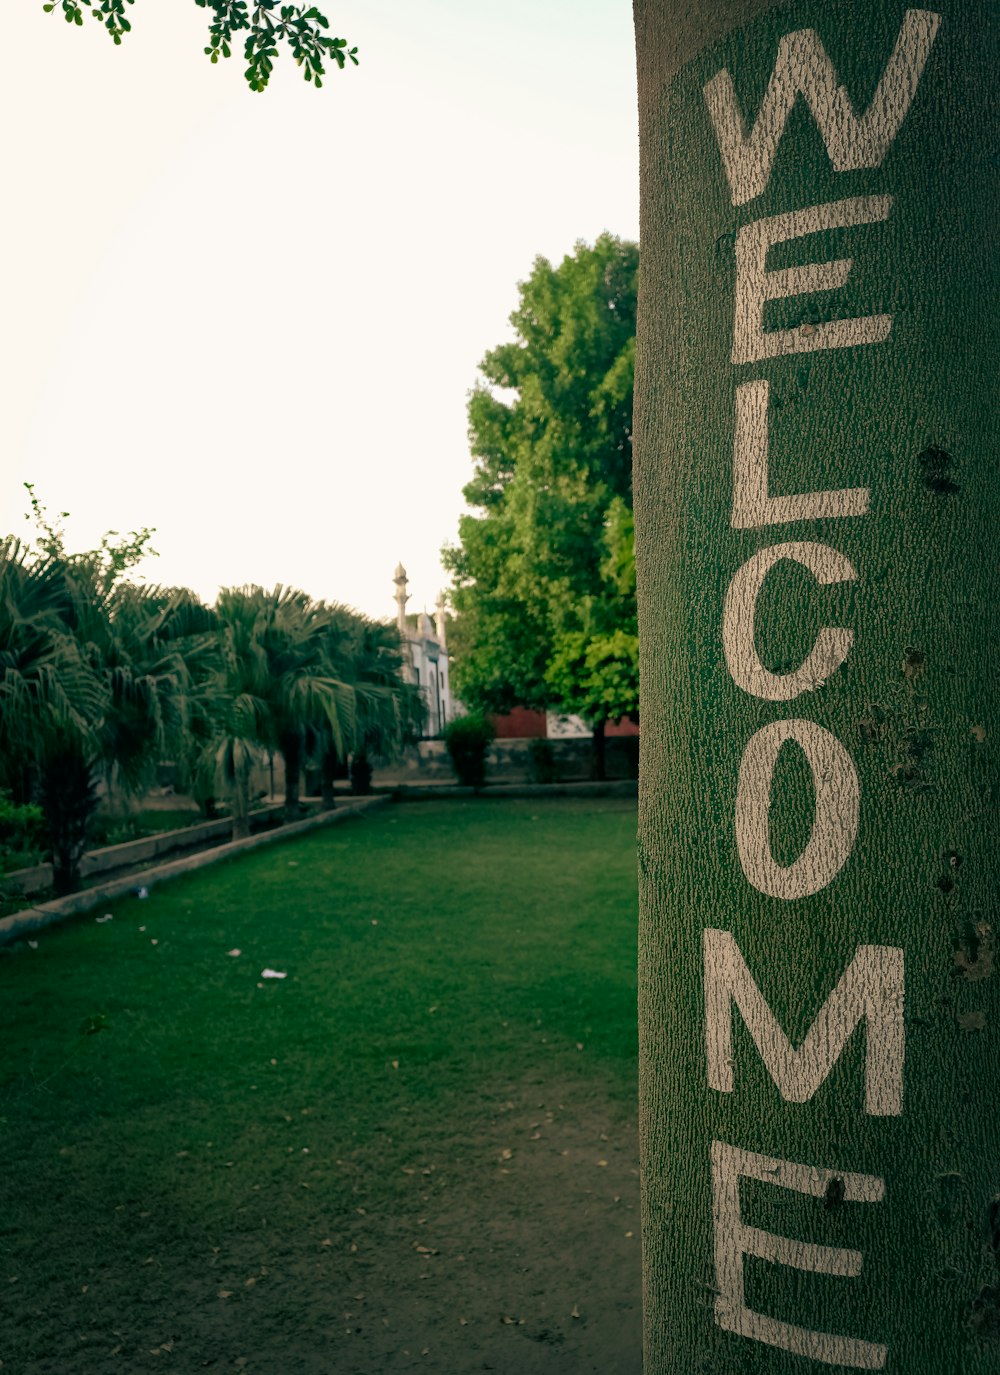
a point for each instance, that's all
(252, 321)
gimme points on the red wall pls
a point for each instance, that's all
(520, 724)
(625, 726)
(524, 724)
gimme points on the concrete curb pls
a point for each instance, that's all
(415, 792)
(131, 852)
(46, 913)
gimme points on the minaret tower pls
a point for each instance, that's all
(400, 579)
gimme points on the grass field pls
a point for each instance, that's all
(196, 1158)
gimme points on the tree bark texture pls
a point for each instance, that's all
(600, 752)
(328, 775)
(291, 753)
(816, 505)
(68, 798)
(242, 766)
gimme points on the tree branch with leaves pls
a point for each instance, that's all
(267, 24)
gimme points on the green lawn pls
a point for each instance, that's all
(168, 1116)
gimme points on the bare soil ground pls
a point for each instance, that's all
(518, 1254)
(521, 1254)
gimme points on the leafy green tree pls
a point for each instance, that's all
(266, 23)
(536, 577)
(114, 556)
(596, 667)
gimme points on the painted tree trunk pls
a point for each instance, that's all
(291, 753)
(816, 505)
(361, 774)
(327, 784)
(68, 798)
(599, 758)
(240, 799)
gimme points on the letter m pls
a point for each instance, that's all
(871, 987)
(802, 67)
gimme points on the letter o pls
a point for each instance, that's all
(835, 823)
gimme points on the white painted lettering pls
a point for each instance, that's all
(803, 67)
(871, 988)
(755, 285)
(752, 504)
(831, 648)
(734, 1239)
(835, 823)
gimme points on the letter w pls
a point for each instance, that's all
(803, 67)
(871, 987)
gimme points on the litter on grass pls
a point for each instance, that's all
(272, 974)
(142, 892)
(234, 953)
(107, 917)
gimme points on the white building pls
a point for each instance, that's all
(425, 657)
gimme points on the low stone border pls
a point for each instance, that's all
(616, 787)
(46, 913)
(131, 852)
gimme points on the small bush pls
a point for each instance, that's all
(543, 761)
(22, 835)
(468, 738)
(114, 830)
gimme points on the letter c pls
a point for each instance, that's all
(832, 645)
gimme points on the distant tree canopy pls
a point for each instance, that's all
(267, 23)
(545, 576)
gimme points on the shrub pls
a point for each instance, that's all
(22, 835)
(543, 761)
(114, 830)
(468, 738)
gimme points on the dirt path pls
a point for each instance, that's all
(523, 1258)
(517, 1251)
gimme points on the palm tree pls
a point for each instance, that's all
(93, 682)
(277, 638)
(46, 684)
(337, 648)
(388, 711)
(234, 720)
(52, 702)
(391, 712)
